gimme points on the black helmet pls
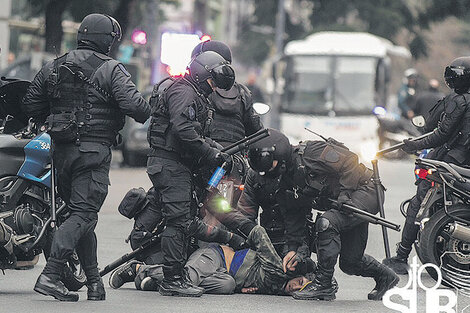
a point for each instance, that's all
(99, 32)
(210, 64)
(276, 146)
(213, 45)
(457, 75)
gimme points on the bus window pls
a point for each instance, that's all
(309, 83)
(355, 84)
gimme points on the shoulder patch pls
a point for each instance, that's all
(329, 154)
(123, 69)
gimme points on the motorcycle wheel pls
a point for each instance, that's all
(436, 246)
(74, 276)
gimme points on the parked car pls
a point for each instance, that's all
(26, 66)
(134, 146)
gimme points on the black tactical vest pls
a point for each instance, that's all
(160, 135)
(69, 89)
(226, 123)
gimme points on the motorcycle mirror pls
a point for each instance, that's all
(418, 121)
(261, 108)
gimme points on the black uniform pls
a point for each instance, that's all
(178, 149)
(83, 159)
(426, 100)
(261, 191)
(451, 140)
(232, 115)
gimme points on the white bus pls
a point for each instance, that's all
(331, 83)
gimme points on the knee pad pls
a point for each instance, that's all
(322, 224)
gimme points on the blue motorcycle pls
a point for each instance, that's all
(29, 209)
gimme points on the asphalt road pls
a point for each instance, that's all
(17, 295)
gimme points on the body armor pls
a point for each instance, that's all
(69, 89)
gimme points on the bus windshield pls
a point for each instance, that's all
(321, 84)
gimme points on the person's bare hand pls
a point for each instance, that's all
(289, 262)
(410, 114)
(250, 290)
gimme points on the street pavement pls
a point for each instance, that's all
(17, 295)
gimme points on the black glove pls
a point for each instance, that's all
(344, 198)
(410, 146)
(222, 158)
(236, 242)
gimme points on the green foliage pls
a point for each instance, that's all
(385, 18)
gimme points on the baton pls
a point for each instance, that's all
(398, 146)
(371, 218)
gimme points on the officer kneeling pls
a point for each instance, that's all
(308, 173)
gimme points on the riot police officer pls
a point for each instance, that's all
(83, 97)
(307, 175)
(179, 114)
(232, 116)
(451, 143)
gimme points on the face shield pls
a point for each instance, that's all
(223, 75)
(452, 76)
(261, 161)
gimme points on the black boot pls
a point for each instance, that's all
(384, 277)
(96, 291)
(399, 263)
(323, 287)
(178, 286)
(54, 287)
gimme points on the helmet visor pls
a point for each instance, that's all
(223, 75)
(452, 75)
(261, 160)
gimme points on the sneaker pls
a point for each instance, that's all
(180, 288)
(398, 264)
(55, 288)
(123, 274)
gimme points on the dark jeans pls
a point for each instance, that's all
(82, 180)
(173, 180)
(346, 235)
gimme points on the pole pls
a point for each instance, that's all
(380, 203)
(53, 188)
(279, 40)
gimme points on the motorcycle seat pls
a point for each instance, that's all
(464, 171)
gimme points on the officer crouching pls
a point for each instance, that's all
(307, 175)
(83, 97)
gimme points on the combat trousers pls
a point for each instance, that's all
(343, 235)
(82, 181)
(173, 180)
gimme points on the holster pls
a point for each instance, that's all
(62, 127)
